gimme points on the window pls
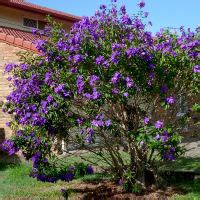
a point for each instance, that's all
(32, 23)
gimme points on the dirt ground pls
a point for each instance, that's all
(109, 190)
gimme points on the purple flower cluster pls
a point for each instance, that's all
(196, 69)
(116, 77)
(9, 147)
(129, 82)
(141, 4)
(93, 80)
(159, 124)
(9, 67)
(93, 96)
(100, 60)
(99, 121)
(169, 155)
(146, 120)
(80, 84)
(170, 100)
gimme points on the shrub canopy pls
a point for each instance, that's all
(113, 80)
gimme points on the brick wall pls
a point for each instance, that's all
(7, 55)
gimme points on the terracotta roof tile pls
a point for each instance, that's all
(18, 38)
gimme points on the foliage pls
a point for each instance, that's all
(112, 80)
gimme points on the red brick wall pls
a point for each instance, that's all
(7, 55)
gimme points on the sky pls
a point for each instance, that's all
(162, 13)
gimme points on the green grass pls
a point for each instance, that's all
(192, 188)
(16, 183)
(183, 164)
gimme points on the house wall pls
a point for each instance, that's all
(7, 55)
(13, 18)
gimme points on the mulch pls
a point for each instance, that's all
(109, 190)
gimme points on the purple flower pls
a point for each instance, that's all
(93, 80)
(47, 78)
(95, 95)
(88, 139)
(77, 59)
(40, 45)
(8, 124)
(146, 14)
(125, 94)
(55, 105)
(165, 136)
(126, 20)
(73, 70)
(9, 146)
(141, 4)
(9, 67)
(159, 124)
(120, 182)
(151, 66)
(90, 131)
(50, 99)
(157, 137)
(169, 155)
(35, 31)
(89, 169)
(106, 64)
(102, 7)
(116, 78)
(108, 123)
(170, 100)
(99, 60)
(146, 120)
(9, 78)
(68, 176)
(129, 82)
(19, 133)
(115, 57)
(97, 123)
(164, 89)
(24, 66)
(196, 69)
(123, 9)
(115, 91)
(80, 121)
(59, 88)
(131, 52)
(80, 84)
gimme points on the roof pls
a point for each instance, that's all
(18, 38)
(23, 4)
(25, 39)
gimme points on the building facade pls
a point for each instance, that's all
(17, 19)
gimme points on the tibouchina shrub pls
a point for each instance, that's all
(111, 79)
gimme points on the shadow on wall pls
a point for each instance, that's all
(4, 157)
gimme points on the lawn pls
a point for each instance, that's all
(16, 183)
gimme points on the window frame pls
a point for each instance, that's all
(37, 22)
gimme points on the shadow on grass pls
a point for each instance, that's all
(183, 164)
(7, 161)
